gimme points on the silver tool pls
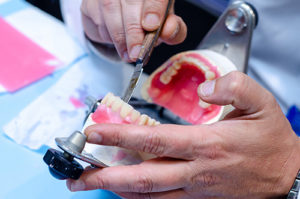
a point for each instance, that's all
(146, 51)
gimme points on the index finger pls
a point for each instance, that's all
(151, 176)
(163, 140)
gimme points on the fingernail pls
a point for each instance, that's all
(94, 138)
(77, 185)
(135, 52)
(207, 88)
(151, 21)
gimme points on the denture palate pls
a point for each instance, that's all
(172, 70)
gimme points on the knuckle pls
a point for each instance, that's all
(212, 152)
(109, 5)
(154, 144)
(143, 185)
(237, 79)
(116, 139)
(119, 38)
(156, 6)
(211, 148)
(204, 180)
(134, 29)
(101, 183)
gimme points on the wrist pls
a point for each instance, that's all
(291, 172)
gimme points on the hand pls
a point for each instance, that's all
(122, 23)
(252, 153)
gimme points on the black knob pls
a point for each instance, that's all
(62, 166)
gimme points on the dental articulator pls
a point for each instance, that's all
(229, 37)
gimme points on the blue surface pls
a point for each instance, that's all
(23, 172)
(294, 118)
(12, 6)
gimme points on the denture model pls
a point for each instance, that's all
(114, 110)
(176, 84)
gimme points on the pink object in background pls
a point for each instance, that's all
(21, 60)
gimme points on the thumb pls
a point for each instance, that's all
(236, 89)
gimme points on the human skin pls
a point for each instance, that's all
(252, 153)
(123, 23)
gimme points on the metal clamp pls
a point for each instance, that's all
(232, 34)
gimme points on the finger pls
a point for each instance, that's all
(132, 13)
(93, 22)
(236, 89)
(174, 30)
(153, 14)
(150, 176)
(179, 193)
(164, 140)
(112, 14)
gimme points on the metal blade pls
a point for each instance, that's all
(133, 82)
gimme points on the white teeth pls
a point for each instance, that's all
(110, 100)
(176, 66)
(117, 104)
(166, 76)
(156, 123)
(210, 75)
(143, 119)
(203, 104)
(135, 115)
(151, 122)
(165, 79)
(105, 99)
(125, 110)
(171, 71)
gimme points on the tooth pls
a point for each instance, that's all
(151, 122)
(105, 99)
(135, 115)
(171, 71)
(203, 104)
(165, 79)
(143, 119)
(110, 100)
(117, 104)
(176, 66)
(156, 123)
(210, 75)
(203, 67)
(125, 110)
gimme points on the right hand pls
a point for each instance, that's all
(123, 22)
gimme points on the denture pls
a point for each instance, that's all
(113, 109)
(176, 85)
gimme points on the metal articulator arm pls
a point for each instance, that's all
(232, 34)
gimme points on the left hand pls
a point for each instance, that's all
(252, 153)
